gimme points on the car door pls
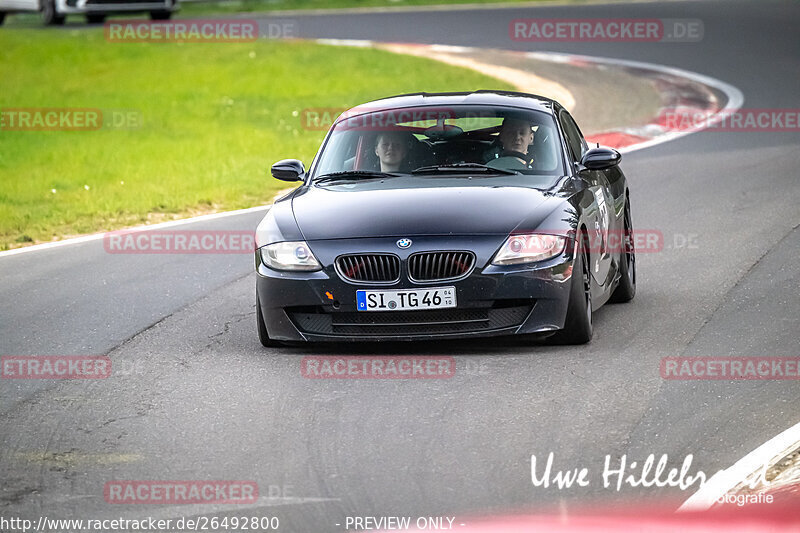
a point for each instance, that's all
(11, 5)
(600, 213)
(28, 5)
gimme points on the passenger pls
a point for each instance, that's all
(392, 147)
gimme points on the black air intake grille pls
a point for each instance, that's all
(374, 268)
(440, 266)
(410, 323)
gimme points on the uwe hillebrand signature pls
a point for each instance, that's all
(647, 473)
(619, 472)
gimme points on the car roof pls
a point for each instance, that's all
(482, 97)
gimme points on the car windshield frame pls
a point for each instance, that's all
(436, 135)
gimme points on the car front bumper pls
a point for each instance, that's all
(491, 300)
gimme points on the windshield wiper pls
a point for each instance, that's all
(462, 168)
(355, 175)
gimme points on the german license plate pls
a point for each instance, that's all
(405, 300)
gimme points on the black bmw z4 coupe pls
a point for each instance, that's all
(448, 215)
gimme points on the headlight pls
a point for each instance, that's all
(529, 248)
(289, 256)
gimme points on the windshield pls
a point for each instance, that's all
(421, 141)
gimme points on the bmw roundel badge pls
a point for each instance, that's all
(404, 243)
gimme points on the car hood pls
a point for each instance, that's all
(337, 212)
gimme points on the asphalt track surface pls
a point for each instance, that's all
(198, 398)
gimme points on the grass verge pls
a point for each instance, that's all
(214, 117)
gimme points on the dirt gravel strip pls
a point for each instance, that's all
(492, 64)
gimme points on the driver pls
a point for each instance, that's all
(515, 137)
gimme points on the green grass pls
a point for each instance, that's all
(215, 117)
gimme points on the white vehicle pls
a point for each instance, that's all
(55, 11)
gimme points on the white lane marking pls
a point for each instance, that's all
(358, 43)
(160, 225)
(723, 481)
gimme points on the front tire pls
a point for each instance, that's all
(160, 15)
(626, 289)
(50, 16)
(2, 18)
(263, 334)
(578, 326)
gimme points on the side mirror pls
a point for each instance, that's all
(600, 158)
(288, 170)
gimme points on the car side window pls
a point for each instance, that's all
(576, 142)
